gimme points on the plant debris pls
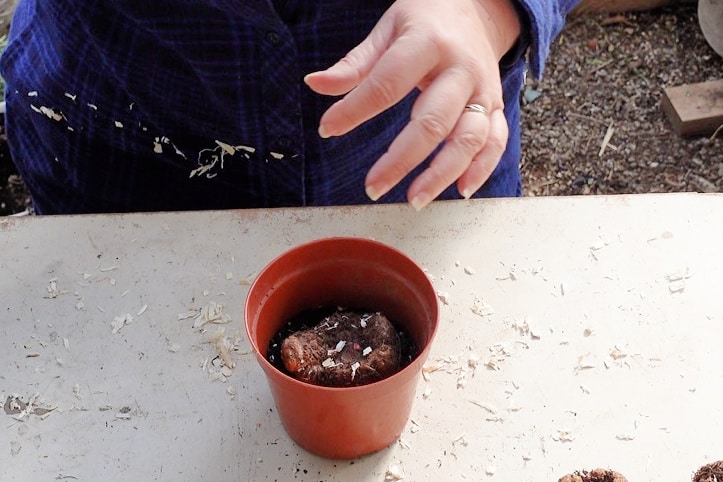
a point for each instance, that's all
(597, 475)
(712, 472)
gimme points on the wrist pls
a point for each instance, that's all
(505, 21)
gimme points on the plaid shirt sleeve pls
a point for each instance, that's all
(190, 104)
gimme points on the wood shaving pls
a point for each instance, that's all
(124, 413)
(443, 297)
(120, 321)
(625, 437)
(174, 348)
(222, 344)
(394, 473)
(616, 353)
(142, 310)
(481, 308)
(563, 436)
(677, 286)
(53, 291)
(211, 313)
(247, 280)
(469, 270)
(681, 274)
(187, 315)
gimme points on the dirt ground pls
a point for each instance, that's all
(605, 75)
(608, 72)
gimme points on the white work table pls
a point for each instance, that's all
(575, 333)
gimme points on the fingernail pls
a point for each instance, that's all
(467, 193)
(323, 133)
(372, 193)
(419, 201)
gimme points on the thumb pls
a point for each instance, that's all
(351, 70)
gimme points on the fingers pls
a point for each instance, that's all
(433, 117)
(477, 137)
(346, 74)
(374, 83)
(485, 162)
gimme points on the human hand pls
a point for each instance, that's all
(450, 50)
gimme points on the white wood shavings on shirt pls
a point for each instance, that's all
(70, 96)
(625, 437)
(47, 112)
(142, 310)
(469, 270)
(228, 148)
(118, 124)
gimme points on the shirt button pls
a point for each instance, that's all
(273, 38)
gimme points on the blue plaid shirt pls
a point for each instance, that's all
(190, 104)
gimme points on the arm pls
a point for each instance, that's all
(450, 50)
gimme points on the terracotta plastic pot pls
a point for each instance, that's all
(345, 422)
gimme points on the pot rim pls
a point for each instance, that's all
(409, 371)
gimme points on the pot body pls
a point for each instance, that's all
(356, 273)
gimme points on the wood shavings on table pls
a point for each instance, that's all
(120, 321)
(563, 436)
(676, 280)
(124, 413)
(443, 296)
(394, 473)
(21, 411)
(247, 280)
(52, 289)
(525, 329)
(211, 313)
(481, 308)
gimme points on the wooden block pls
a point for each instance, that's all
(695, 109)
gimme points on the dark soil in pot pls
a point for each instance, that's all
(341, 347)
(597, 475)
